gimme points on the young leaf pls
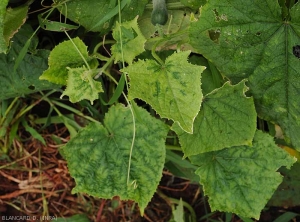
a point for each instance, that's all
(252, 40)
(227, 118)
(62, 56)
(98, 156)
(178, 212)
(132, 41)
(242, 179)
(81, 85)
(172, 89)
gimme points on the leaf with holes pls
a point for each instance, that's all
(130, 44)
(173, 89)
(255, 40)
(242, 179)
(98, 156)
(227, 118)
(81, 85)
(25, 79)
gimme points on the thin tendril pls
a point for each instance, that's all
(128, 102)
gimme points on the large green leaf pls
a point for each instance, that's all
(250, 39)
(99, 15)
(66, 54)
(172, 89)
(3, 45)
(130, 44)
(242, 179)
(98, 156)
(25, 79)
(227, 118)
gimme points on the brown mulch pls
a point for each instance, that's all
(35, 181)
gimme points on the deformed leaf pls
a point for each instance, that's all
(132, 41)
(254, 40)
(242, 179)
(81, 85)
(227, 118)
(98, 156)
(65, 55)
(172, 89)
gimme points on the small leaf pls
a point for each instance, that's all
(98, 156)
(62, 56)
(172, 89)
(81, 85)
(14, 19)
(178, 213)
(242, 179)
(227, 118)
(132, 41)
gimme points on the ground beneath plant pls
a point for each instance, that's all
(34, 181)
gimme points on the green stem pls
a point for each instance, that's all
(75, 111)
(86, 63)
(173, 5)
(171, 147)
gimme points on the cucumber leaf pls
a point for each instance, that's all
(98, 156)
(3, 45)
(254, 40)
(25, 79)
(172, 89)
(14, 19)
(227, 118)
(65, 54)
(242, 179)
(130, 44)
(81, 85)
(101, 14)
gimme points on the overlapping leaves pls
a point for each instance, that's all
(70, 54)
(242, 179)
(172, 89)
(253, 40)
(227, 118)
(98, 157)
(130, 41)
(25, 79)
